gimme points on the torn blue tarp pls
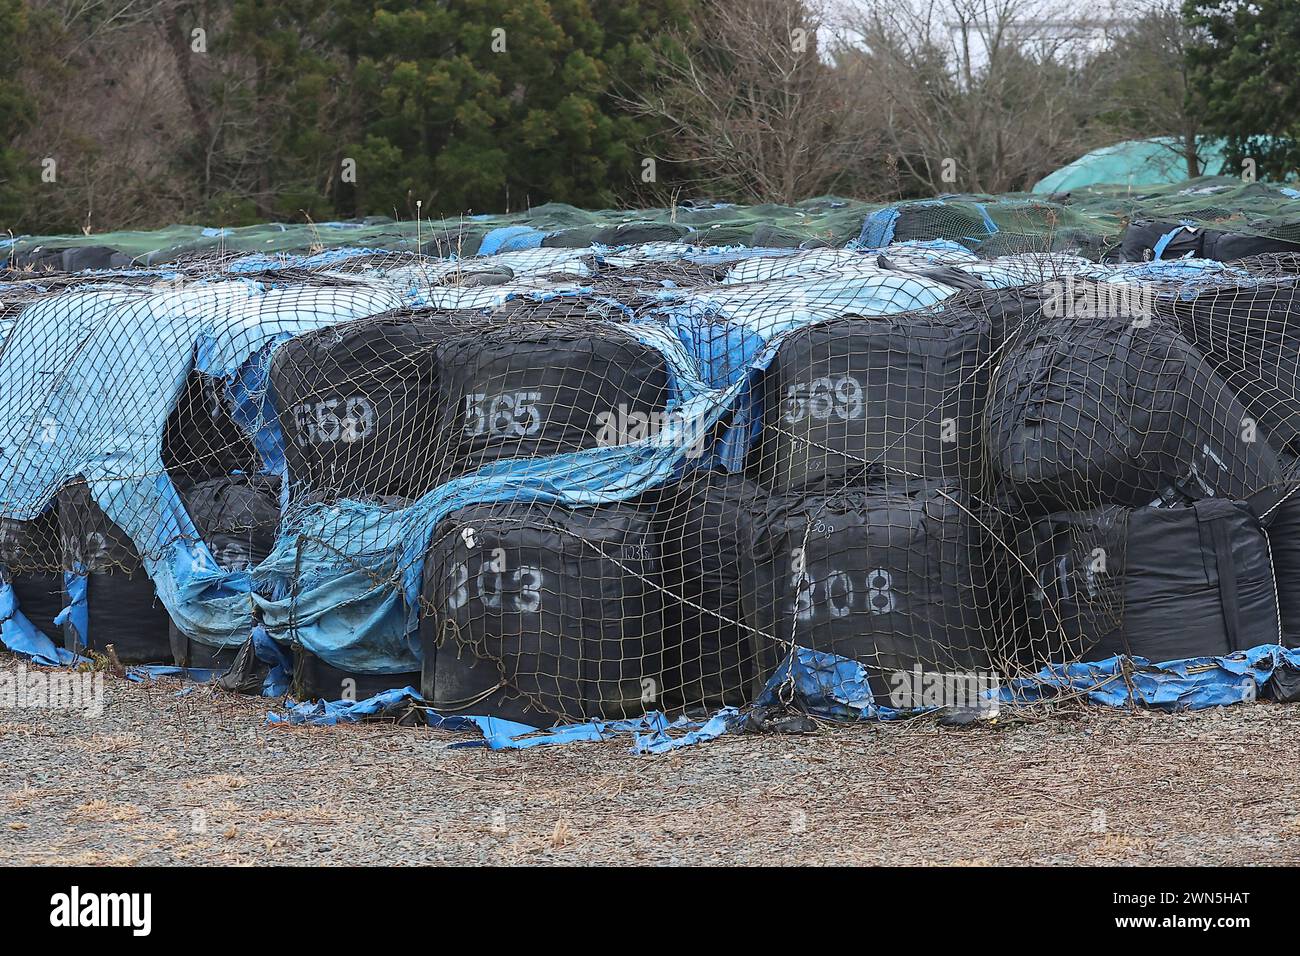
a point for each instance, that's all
(652, 733)
(92, 375)
(199, 675)
(22, 637)
(878, 229)
(1157, 252)
(510, 239)
(278, 678)
(1191, 684)
(76, 614)
(823, 685)
(323, 713)
(833, 687)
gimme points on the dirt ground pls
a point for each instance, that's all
(195, 777)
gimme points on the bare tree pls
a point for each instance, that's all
(105, 90)
(1146, 84)
(976, 95)
(753, 107)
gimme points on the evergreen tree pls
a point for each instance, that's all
(1247, 57)
(487, 104)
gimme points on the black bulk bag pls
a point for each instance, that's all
(236, 518)
(1160, 583)
(704, 528)
(1230, 246)
(1283, 527)
(524, 389)
(76, 259)
(929, 220)
(122, 608)
(1084, 412)
(314, 679)
(1141, 238)
(200, 438)
(1004, 311)
(636, 233)
(1251, 335)
(29, 554)
(905, 392)
(572, 237)
(897, 575)
(538, 613)
(356, 404)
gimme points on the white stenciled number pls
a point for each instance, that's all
(475, 420)
(333, 420)
(489, 578)
(839, 593)
(880, 591)
(508, 414)
(792, 409)
(848, 398)
(839, 397)
(328, 426)
(529, 598)
(358, 419)
(821, 404)
(496, 586)
(459, 592)
(501, 420)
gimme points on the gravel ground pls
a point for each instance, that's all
(202, 778)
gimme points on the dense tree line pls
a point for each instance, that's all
(136, 113)
(244, 110)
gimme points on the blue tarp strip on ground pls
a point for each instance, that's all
(835, 688)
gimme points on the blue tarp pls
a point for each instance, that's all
(652, 733)
(95, 405)
(835, 688)
(93, 373)
(91, 376)
(510, 239)
(22, 637)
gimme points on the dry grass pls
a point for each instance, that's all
(202, 779)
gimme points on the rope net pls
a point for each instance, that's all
(560, 484)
